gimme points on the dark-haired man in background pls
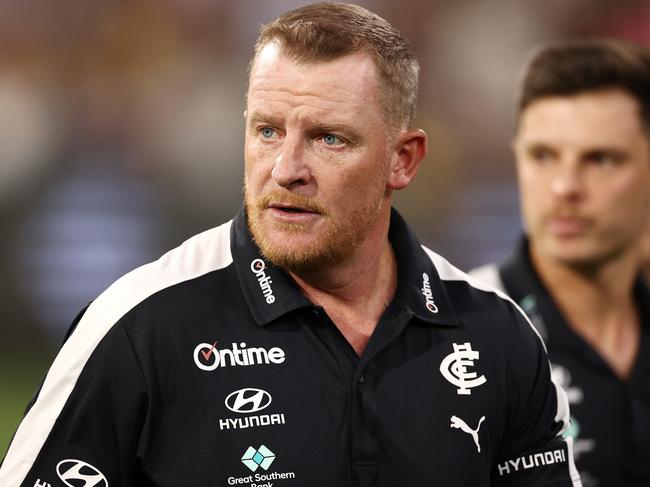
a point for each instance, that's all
(583, 162)
(311, 341)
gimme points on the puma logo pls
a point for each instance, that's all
(456, 422)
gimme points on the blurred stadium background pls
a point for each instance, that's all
(121, 135)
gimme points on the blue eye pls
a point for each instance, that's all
(330, 139)
(267, 132)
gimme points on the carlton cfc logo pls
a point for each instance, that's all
(454, 368)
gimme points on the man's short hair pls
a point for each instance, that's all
(326, 31)
(573, 67)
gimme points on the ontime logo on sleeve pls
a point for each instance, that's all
(208, 357)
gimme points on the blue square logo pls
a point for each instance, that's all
(262, 457)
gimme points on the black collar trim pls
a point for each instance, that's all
(524, 286)
(271, 293)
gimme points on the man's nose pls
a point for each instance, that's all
(567, 182)
(290, 167)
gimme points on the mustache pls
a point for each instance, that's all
(290, 199)
(567, 213)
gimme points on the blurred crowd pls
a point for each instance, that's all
(121, 131)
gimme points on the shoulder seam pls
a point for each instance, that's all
(449, 272)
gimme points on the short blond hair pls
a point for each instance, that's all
(325, 31)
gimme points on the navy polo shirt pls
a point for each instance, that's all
(209, 367)
(610, 418)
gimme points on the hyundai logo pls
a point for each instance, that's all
(248, 400)
(75, 473)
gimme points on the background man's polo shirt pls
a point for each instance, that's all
(610, 418)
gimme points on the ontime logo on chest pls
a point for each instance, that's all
(454, 368)
(208, 357)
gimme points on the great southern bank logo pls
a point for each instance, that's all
(258, 461)
(428, 295)
(262, 457)
(257, 267)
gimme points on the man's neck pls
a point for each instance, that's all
(355, 293)
(598, 304)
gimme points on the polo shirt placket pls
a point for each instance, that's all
(356, 372)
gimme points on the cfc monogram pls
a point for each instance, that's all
(454, 368)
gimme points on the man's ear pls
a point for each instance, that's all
(410, 148)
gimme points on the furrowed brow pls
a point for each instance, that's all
(338, 128)
(256, 118)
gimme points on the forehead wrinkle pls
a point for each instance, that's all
(297, 96)
(307, 107)
(286, 78)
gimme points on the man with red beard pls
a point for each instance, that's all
(311, 340)
(583, 162)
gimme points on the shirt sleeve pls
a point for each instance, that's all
(83, 425)
(534, 453)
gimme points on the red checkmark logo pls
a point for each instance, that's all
(208, 354)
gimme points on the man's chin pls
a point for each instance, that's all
(308, 247)
(295, 250)
(584, 258)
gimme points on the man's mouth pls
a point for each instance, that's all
(568, 226)
(290, 207)
(292, 210)
(284, 208)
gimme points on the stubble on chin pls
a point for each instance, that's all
(329, 246)
(279, 250)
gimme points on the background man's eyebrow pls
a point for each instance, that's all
(537, 145)
(608, 150)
